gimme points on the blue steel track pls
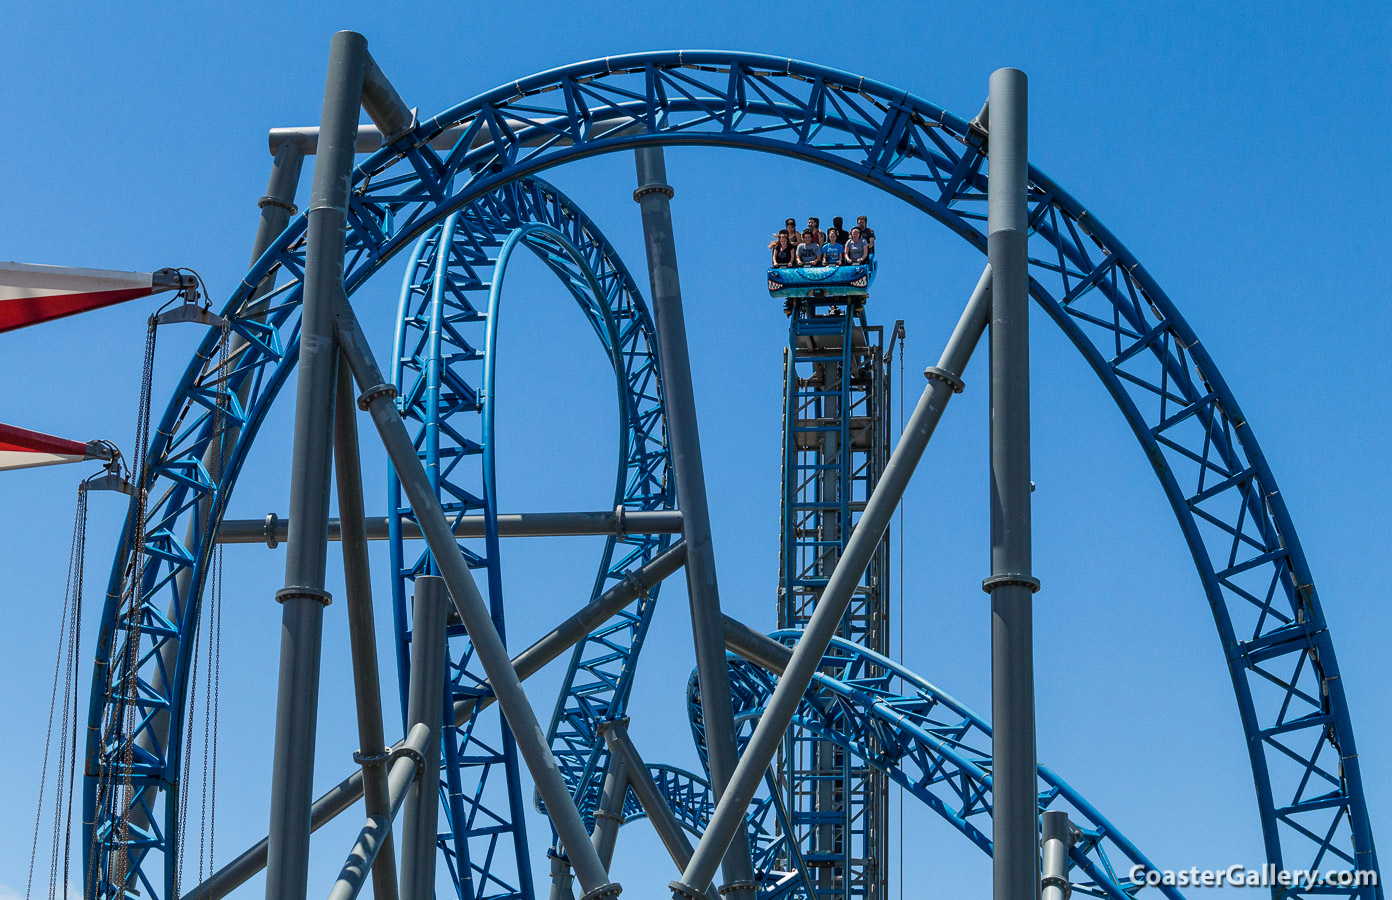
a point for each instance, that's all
(1254, 575)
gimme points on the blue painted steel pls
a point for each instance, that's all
(835, 445)
(933, 745)
(453, 290)
(1248, 556)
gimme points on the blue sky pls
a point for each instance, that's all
(1240, 150)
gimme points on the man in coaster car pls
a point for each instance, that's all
(809, 252)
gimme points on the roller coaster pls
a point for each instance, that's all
(792, 797)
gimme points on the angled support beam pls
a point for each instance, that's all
(547, 649)
(654, 195)
(303, 598)
(944, 380)
(669, 830)
(1014, 782)
(407, 768)
(377, 399)
(362, 631)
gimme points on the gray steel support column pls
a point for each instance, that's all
(473, 611)
(407, 766)
(547, 649)
(669, 830)
(562, 879)
(1056, 837)
(1015, 809)
(425, 705)
(654, 195)
(944, 380)
(303, 598)
(609, 813)
(362, 630)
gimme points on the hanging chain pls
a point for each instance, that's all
(135, 589)
(65, 663)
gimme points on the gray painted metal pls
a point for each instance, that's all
(362, 630)
(383, 104)
(1015, 816)
(425, 704)
(653, 195)
(366, 855)
(488, 646)
(1056, 837)
(943, 380)
(669, 830)
(272, 529)
(609, 813)
(303, 598)
(550, 647)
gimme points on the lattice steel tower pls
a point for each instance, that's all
(836, 444)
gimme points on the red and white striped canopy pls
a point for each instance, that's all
(31, 294)
(21, 449)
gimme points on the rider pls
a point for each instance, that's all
(783, 252)
(833, 249)
(857, 248)
(809, 252)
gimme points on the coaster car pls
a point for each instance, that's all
(822, 281)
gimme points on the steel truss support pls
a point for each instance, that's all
(944, 380)
(654, 194)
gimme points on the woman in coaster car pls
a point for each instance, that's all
(857, 248)
(809, 253)
(782, 252)
(832, 250)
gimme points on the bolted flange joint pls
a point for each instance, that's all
(995, 581)
(370, 759)
(372, 393)
(653, 189)
(734, 886)
(612, 889)
(270, 531)
(290, 593)
(276, 201)
(408, 753)
(1059, 882)
(682, 891)
(946, 377)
